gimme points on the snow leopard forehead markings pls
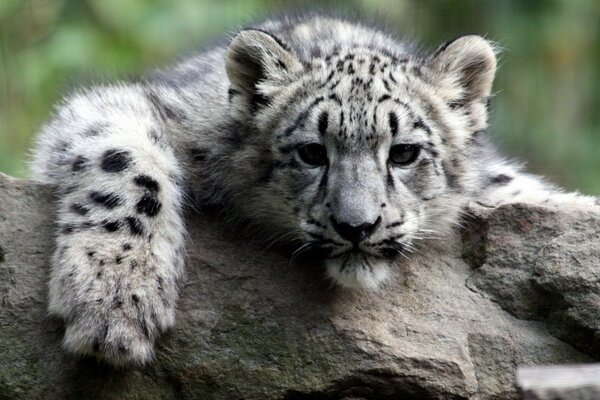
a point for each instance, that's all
(360, 83)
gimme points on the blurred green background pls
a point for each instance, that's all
(547, 90)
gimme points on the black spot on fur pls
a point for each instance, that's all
(148, 205)
(311, 221)
(117, 302)
(68, 229)
(118, 260)
(127, 247)
(93, 131)
(232, 92)
(79, 164)
(434, 153)
(111, 226)
(419, 124)
(154, 135)
(147, 182)
(282, 65)
(372, 69)
(384, 98)
(395, 224)
(386, 84)
(335, 98)
(79, 209)
(323, 122)
(501, 179)
(108, 200)
(458, 103)
(135, 225)
(299, 121)
(258, 100)
(390, 180)
(135, 298)
(393, 121)
(199, 155)
(391, 76)
(327, 80)
(115, 160)
(90, 254)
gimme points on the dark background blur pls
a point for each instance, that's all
(547, 89)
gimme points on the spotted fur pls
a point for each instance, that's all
(328, 134)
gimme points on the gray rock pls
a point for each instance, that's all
(453, 323)
(562, 382)
(542, 265)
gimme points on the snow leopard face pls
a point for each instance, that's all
(368, 148)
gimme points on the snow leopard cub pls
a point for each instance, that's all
(318, 129)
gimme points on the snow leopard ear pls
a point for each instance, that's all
(258, 63)
(466, 66)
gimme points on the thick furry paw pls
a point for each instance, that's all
(115, 300)
(119, 331)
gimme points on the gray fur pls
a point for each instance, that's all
(230, 125)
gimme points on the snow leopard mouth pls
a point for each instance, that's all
(388, 249)
(361, 265)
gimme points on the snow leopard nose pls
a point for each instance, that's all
(355, 233)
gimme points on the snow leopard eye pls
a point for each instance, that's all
(313, 154)
(404, 154)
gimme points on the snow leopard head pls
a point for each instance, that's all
(362, 146)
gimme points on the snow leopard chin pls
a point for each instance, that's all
(358, 271)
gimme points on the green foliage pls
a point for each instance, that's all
(548, 87)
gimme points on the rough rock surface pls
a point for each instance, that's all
(519, 286)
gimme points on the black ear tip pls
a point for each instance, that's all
(255, 33)
(256, 39)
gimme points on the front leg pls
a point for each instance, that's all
(510, 185)
(120, 241)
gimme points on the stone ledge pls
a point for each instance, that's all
(454, 323)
